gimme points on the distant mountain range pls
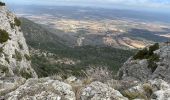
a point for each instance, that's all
(70, 11)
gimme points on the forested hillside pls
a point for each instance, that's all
(56, 56)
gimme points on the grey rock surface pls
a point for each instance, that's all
(99, 91)
(156, 89)
(138, 70)
(14, 52)
(42, 89)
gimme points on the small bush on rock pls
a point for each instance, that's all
(25, 74)
(4, 69)
(12, 25)
(20, 45)
(141, 54)
(1, 49)
(152, 65)
(2, 3)
(27, 57)
(7, 60)
(4, 36)
(153, 48)
(149, 55)
(17, 21)
(18, 55)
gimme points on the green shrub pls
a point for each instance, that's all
(2, 3)
(17, 21)
(20, 45)
(152, 62)
(154, 57)
(141, 54)
(4, 69)
(1, 49)
(4, 36)
(27, 57)
(149, 55)
(153, 48)
(7, 60)
(18, 55)
(25, 74)
(152, 65)
(12, 25)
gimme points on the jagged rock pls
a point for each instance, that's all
(121, 84)
(42, 89)
(163, 69)
(10, 84)
(161, 90)
(151, 90)
(14, 53)
(135, 70)
(138, 69)
(75, 82)
(99, 91)
(71, 79)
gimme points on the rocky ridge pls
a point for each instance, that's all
(14, 53)
(143, 69)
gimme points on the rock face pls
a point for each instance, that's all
(14, 53)
(99, 91)
(42, 89)
(9, 84)
(161, 90)
(50, 89)
(151, 90)
(139, 70)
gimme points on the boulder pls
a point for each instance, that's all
(42, 89)
(136, 69)
(99, 91)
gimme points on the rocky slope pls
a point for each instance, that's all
(14, 60)
(51, 88)
(148, 68)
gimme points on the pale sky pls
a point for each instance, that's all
(162, 5)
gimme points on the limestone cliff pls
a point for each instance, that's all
(14, 53)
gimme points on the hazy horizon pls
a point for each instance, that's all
(145, 5)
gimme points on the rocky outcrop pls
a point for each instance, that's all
(15, 64)
(9, 84)
(140, 69)
(151, 90)
(14, 53)
(99, 91)
(50, 89)
(75, 89)
(42, 89)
